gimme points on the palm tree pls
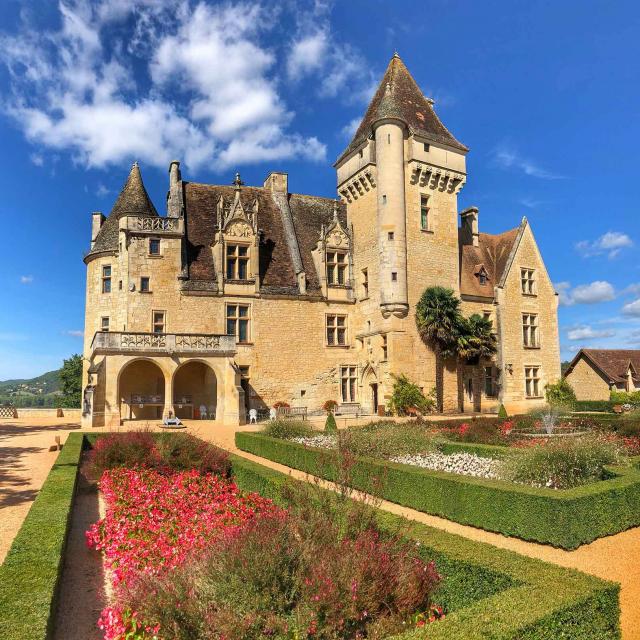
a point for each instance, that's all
(476, 339)
(440, 325)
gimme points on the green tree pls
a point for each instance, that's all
(476, 338)
(71, 382)
(561, 394)
(440, 324)
(407, 395)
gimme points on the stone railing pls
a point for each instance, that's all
(153, 224)
(106, 342)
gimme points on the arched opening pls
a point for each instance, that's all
(370, 391)
(195, 391)
(141, 391)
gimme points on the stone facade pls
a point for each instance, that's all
(319, 295)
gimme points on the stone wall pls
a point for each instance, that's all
(587, 382)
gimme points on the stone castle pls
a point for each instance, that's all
(242, 296)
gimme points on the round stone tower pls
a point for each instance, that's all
(392, 237)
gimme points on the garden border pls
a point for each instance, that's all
(30, 574)
(542, 601)
(563, 518)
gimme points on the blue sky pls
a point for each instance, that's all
(545, 94)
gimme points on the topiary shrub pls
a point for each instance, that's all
(561, 394)
(407, 396)
(330, 425)
(502, 412)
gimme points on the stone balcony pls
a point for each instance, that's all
(123, 342)
(155, 225)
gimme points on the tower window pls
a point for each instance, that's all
(336, 267)
(104, 323)
(388, 138)
(237, 262)
(154, 246)
(390, 235)
(361, 153)
(384, 199)
(365, 283)
(394, 276)
(144, 284)
(427, 147)
(424, 212)
(385, 346)
(106, 278)
(158, 323)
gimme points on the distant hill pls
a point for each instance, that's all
(32, 392)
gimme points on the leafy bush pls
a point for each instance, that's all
(502, 412)
(330, 425)
(563, 463)
(625, 397)
(330, 406)
(560, 394)
(406, 396)
(386, 439)
(287, 429)
(163, 451)
(330, 572)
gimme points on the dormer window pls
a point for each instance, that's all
(483, 278)
(237, 262)
(481, 273)
(337, 264)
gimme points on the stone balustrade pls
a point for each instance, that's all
(111, 342)
(153, 225)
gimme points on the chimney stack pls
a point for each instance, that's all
(469, 226)
(277, 182)
(96, 224)
(174, 197)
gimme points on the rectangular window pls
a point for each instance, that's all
(120, 285)
(532, 382)
(490, 382)
(144, 284)
(528, 281)
(336, 330)
(390, 235)
(348, 380)
(426, 147)
(394, 276)
(424, 212)
(385, 347)
(154, 246)
(365, 283)
(158, 322)
(530, 330)
(238, 322)
(337, 267)
(106, 278)
(104, 323)
(237, 262)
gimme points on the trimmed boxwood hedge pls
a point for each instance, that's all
(565, 519)
(489, 592)
(594, 405)
(31, 571)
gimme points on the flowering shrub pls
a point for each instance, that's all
(480, 430)
(287, 429)
(162, 451)
(281, 403)
(329, 406)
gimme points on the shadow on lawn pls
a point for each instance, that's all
(82, 590)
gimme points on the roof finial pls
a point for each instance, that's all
(395, 55)
(237, 182)
(135, 164)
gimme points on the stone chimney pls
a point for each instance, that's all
(469, 226)
(175, 204)
(96, 224)
(277, 182)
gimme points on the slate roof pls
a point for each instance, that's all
(493, 253)
(612, 364)
(133, 200)
(403, 100)
(277, 273)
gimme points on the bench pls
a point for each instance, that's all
(348, 410)
(292, 412)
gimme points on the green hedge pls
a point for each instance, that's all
(563, 519)
(490, 592)
(605, 406)
(31, 571)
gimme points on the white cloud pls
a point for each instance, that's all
(37, 159)
(26, 279)
(102, 191)
(506, 157)
(611, 243)
(632, 308)
(586, 333)
(307, 54)
(205, 92)
(76, 333)
(350, 128)
(593, 293)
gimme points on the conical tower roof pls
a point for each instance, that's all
(132, 201)
(398, 96)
